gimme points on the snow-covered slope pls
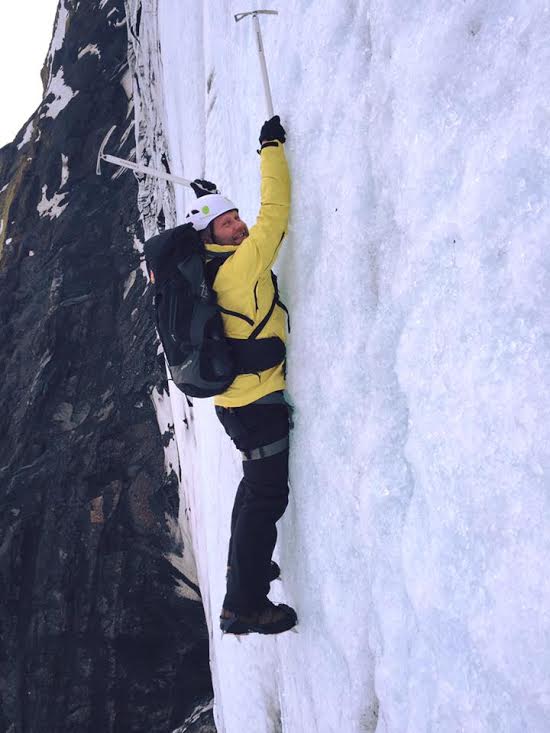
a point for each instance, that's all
(416, 270)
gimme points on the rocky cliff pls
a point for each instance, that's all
(99, 631)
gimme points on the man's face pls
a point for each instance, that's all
(228, 228)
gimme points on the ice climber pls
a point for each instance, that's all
(253, 410)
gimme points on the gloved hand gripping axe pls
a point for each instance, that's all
(267, 88)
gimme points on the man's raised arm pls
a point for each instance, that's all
(259, 250)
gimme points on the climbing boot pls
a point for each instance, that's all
(271, 619)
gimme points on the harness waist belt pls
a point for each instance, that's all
(273, 398)
(265, 451)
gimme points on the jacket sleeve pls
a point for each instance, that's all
(259, 250)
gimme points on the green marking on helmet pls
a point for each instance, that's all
(205, 209)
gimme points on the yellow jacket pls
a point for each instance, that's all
(243, 283)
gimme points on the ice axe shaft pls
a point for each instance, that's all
(261, 54)
(131, 165)
(145, 169)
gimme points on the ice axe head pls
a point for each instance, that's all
(240, 16)
(263, 66)
(102, 150)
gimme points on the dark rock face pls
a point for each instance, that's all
(93, 636)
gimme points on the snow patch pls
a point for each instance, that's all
(138, 246)
(194, 717)
(31, 252)
(58, 37)
(165, 419)
(179, 562)
(126, 133)
(4, 188)
(62, 93)
(128, 284)
(126, 83)
(53, 207)
(34, 388)
(91, 48)
(64, 170)
(27, 136)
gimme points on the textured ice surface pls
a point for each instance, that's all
(417, 271)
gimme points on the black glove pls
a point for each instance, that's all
(203, 188)
(273, 130)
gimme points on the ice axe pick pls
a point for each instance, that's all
(267, 88)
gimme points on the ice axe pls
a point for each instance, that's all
(136, 167)
(267, 88)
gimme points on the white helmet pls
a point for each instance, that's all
(206, 209)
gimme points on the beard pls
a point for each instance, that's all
(240, 237)
(235, 239)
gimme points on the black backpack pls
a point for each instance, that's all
(202, 361)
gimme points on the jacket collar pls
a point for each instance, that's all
(221, 248)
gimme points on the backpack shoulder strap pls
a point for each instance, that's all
(276, 301)
(213, 264)
(212, 267)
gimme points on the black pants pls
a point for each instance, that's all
(261, 500)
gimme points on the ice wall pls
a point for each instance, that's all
(416, 270)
